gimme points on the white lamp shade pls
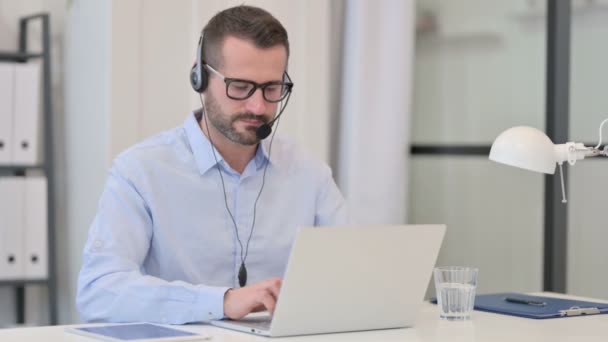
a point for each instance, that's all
(525, 147)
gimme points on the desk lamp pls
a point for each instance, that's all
(531, 149)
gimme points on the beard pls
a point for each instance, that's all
(225, 123)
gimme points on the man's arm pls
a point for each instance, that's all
(111, 284)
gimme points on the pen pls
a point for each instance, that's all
(524, 301)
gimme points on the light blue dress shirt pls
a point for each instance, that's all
(162, 247)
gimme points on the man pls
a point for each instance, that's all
(189, 214)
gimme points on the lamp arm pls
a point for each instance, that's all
(599, 143)
(561, 176)
(571, 152)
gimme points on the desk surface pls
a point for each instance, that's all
(483, 327)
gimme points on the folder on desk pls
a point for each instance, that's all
(537, 307)
(7, 75)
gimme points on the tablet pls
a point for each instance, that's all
(138, 332)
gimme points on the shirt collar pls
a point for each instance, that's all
(203, 150)
(261, 155)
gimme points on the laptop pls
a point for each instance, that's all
(354, 278)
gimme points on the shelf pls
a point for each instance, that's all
(17, 56)
(21, 282)
(21, 55)
(576, 10)
(21, 167)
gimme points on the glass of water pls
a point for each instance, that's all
(455, 287)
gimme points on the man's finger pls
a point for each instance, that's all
(274, 286)
(269, 301)
(258, 308)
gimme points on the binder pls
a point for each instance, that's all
(27, 118)
(11, 228)
(7, 75)
(35, 256)
(537, 307)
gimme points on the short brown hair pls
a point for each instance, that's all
(244, 22)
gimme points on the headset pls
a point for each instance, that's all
(198, 75)
(199, 79)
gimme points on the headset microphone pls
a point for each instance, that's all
(265, 129)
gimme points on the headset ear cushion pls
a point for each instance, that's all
(194, 79)
(204, 80)
(198, 81)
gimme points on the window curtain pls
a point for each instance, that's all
(375, 100)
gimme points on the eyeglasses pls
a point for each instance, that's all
(239, 89)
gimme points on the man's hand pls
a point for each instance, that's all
(257, 297)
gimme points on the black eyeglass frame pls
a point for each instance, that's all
(228, 80)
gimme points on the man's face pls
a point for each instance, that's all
(238, 120)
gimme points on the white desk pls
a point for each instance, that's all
(483, 327)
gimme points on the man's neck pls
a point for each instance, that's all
(236, 155)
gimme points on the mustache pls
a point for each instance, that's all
(250, 116)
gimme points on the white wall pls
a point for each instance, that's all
(481, 72)
(151, 55)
